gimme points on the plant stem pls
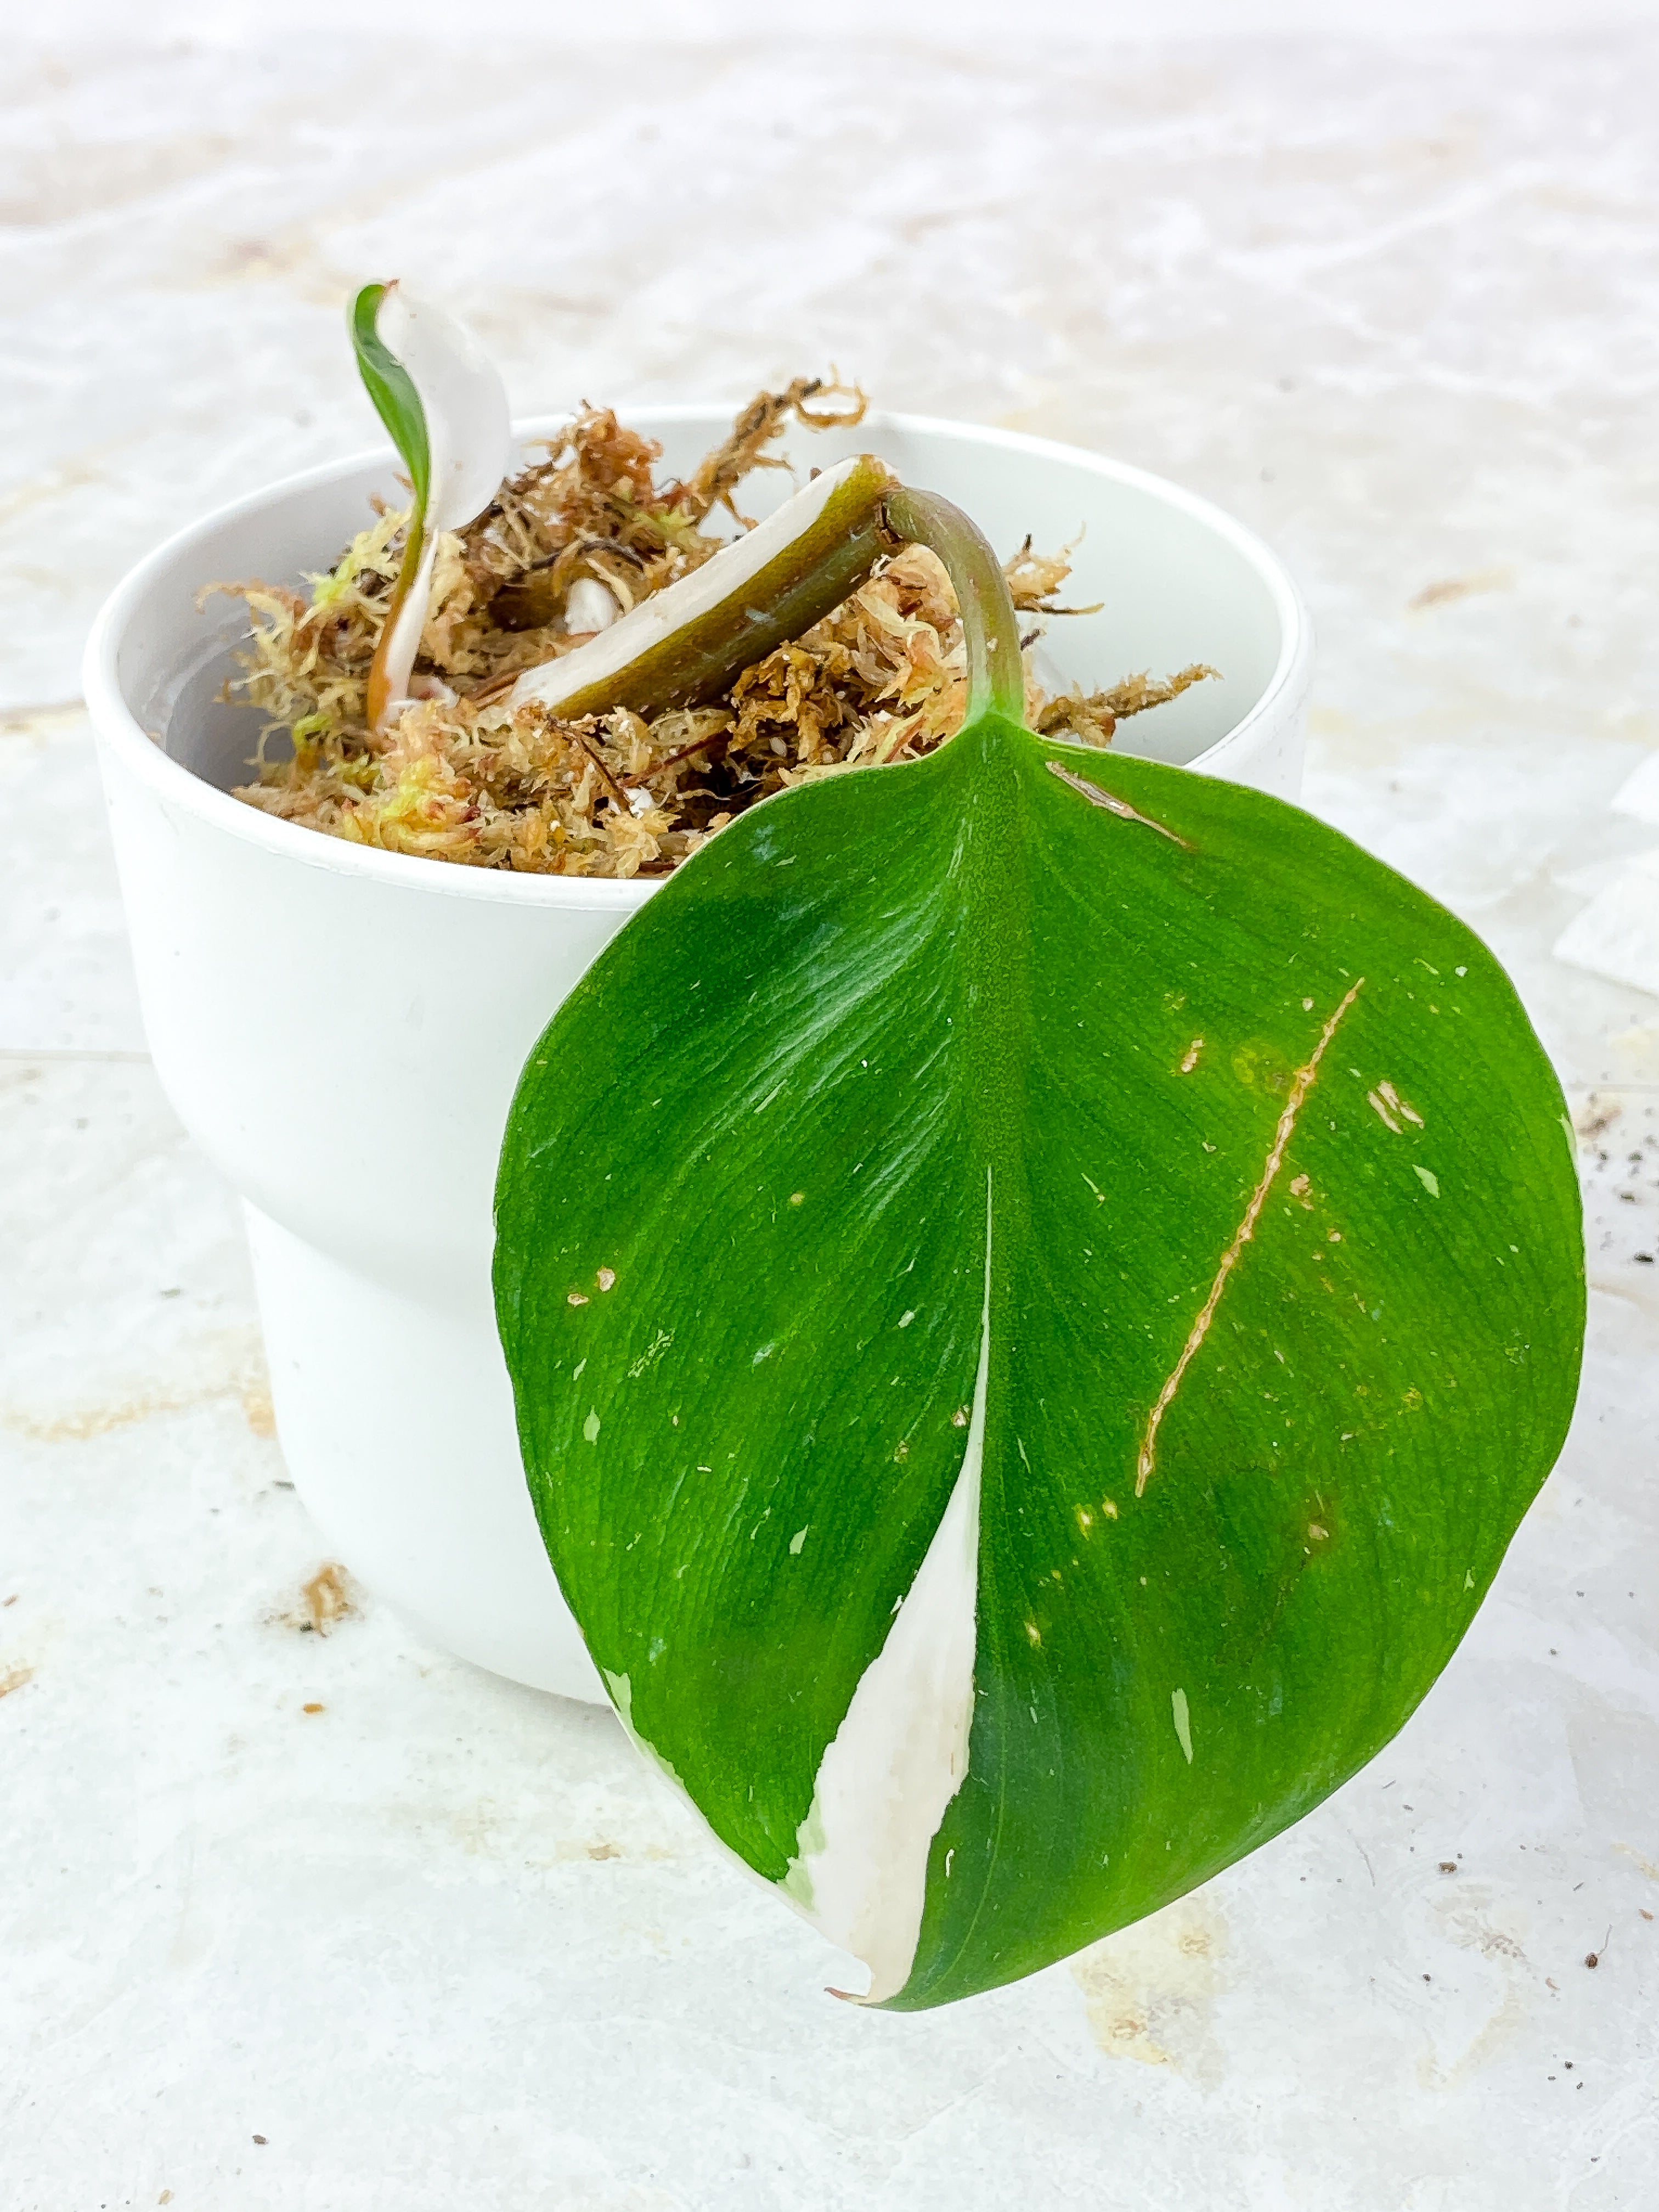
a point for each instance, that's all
(379, 669)
(990, 628)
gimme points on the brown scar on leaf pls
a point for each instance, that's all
(1193, 1050)
(1306, 1077)
(1110, 805)
(1393, 1109)
(14, 1679)
(1396, 1104)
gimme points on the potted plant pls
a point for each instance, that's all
(1035, 1286)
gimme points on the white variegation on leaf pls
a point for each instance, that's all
(470, 441)
(900, 1755)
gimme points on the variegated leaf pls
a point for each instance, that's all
(1039, 1286)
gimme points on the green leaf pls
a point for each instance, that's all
(392, 388)
(1118, 1161)
(440, 396)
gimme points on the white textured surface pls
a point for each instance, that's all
(1617, 934)
(444, 1943)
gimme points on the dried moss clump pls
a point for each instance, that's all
(459, 775)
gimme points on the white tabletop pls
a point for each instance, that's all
(334, 1924)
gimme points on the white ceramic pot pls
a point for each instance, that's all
(341, 1029)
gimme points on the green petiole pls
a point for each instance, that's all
(990, 627)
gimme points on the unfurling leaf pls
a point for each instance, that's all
(443, 403)
(392, 388)
(1038, 1287)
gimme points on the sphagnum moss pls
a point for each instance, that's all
(460, 774)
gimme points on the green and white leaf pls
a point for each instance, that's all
(1039, 1286)
(392, 388)
(442, 401)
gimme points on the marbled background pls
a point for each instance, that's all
(332, 1924)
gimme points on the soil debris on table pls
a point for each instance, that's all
(566, 547)
(327, 1598)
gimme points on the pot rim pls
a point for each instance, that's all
(172, 783)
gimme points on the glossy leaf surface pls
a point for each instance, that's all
(1134, 1130)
